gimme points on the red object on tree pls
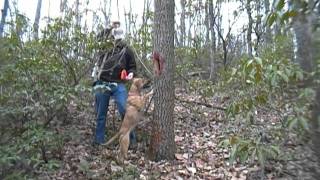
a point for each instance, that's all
(158, 62)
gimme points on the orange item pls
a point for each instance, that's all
(123, 74)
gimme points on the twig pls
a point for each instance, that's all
(145, 67)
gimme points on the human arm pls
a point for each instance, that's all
(131, 64)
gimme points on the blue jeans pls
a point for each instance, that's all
(102, 104)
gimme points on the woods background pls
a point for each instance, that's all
(253, 72)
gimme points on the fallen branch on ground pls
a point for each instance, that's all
(201, 103)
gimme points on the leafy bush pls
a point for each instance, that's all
(40, 77)
(250, 150)
(266, 83)
(39, 80)
(36, 149)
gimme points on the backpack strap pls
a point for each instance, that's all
(106, 58)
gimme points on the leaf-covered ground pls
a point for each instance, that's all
(198, 131)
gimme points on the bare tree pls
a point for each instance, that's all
(212, 21)
(277, 27)
(128, 19)
(225, 39)
(267, 36)
(206, 23)
(78, 14)
(37, 20)
(258, 30)
(162, 145)
(182, 22)
(4, 15)
(63, 5)
(249, 29)
(145, 19)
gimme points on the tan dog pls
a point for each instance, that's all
(135, 103)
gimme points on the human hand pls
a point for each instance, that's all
(130, 76)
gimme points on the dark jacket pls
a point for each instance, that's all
(118, 58)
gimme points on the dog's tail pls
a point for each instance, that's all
(112, 139)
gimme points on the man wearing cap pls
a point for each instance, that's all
(116, 65)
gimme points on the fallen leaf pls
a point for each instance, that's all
(208, 168)
(179, 156)
(143, 177)
(192, 170)
(115, 168)
(178, 138)
(178, 177)
(183, 172)
(199, 163)
(185, 156)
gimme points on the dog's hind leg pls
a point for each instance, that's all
(124, 144)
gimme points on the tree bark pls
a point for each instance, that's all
(4, 15)
(316, 130)
(162, 145)
(303, 35)
(306, 41)
(37, 20)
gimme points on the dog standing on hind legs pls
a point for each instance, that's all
(135, 103)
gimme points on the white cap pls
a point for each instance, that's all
(117, 33)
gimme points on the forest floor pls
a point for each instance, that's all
(198, 132)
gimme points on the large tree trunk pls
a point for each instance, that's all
(316, 130)
(316, 108)
(303, 35)
(37, 20)
(306, 41)
(4, 15)
(162, 145)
